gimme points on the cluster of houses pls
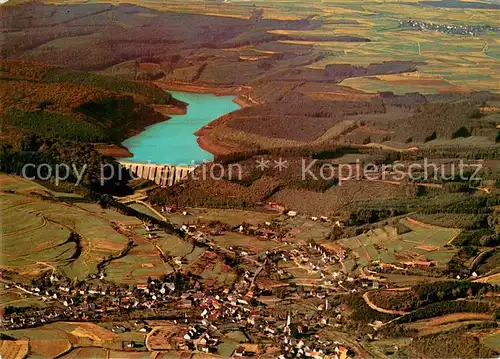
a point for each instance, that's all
(239, 306)
(152, 231)
(299, 349)
(206, 310)
(85, 302)
(232, 308)
(200, 232)
(451, 29)
(200, 338)
(309, 255)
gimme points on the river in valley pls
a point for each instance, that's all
(173, 141)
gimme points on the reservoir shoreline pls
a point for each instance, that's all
(179, 139)
(240, 93)
(241, 98)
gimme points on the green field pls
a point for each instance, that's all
(423, 242)
(305, 229)
(251, 244)
(451, 61)
(233, 217)
(137, 266)
(17, 298)
(19, 185)
(175, 246)
(37, 226)
(492, 341)
(35, 232)
(143, 209)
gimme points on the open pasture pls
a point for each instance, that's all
(447, 322)
(492, 279)
(233, 217)
(305, 229)
(61, 339)
(49, 348)
(44, 342)
(403, 280)
(337, 198)
(20, 185)
(109, 214)
(140, 263)
(35, 233)
(29, 239)
(453, 62)
(212, 269)
(19, 299)
(492, 341)
(447, 57)
(421, 243)
(161, 336)
(143, 209)
(93, 332)
(248, 243)
(80, 353)
(174, 246)
(145, 259)
(300, 274)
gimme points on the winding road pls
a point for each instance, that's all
(381, 310)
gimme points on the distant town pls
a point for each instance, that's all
(450, 29)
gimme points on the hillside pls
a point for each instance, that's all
(345, 201)
(310, 78)
(75, 105)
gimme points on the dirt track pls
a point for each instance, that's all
(381, 310)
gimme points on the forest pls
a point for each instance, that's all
(75, 105)
(38, 149)
(446, 345)
(421, 295)
(446, 307)
(52, 124)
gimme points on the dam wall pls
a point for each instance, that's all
(162, 175)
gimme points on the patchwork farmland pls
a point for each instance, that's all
(418, 243)
(47, 234)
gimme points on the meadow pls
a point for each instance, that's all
(452, 62)
(233, 218)
(492, 340)
(39, 237)
(252, 245)
(140, 263)
(69, 340)
(337, 199)
(36, 232)
(420, 242)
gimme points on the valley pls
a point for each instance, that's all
(342, 198)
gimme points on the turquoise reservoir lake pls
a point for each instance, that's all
(173, 142)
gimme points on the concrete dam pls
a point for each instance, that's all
(162, 175)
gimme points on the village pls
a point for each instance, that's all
(467, 30)
(285, 295)
(255, 303)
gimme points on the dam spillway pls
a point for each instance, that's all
(162, 175)
(160, 151)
